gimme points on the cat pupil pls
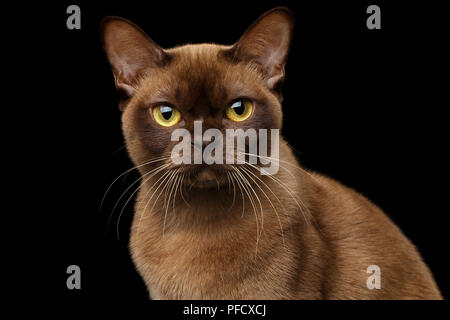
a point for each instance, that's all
(239, 107)
(166, 112)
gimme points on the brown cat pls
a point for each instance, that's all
(225, 231)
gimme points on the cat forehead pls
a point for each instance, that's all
(195, 51)
(207, 63)
(198, 63)
(201, 70)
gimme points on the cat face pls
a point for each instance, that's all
(223, 87)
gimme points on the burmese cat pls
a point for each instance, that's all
(196, 233)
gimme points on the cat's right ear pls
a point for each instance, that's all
(130, 53)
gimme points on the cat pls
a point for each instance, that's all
(225, 231)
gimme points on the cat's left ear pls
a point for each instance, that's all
(266, 43)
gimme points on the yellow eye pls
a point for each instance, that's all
(240, 110)
(166, 116)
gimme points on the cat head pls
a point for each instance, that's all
(224, 87)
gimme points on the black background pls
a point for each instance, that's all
(361, 106)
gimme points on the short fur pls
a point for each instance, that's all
(318, 237)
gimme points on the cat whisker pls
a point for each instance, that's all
(218, 183)
(242, 193)
(231, 182)
(289, 164)
(250, 174)
(114, 152)
(122, 195)
(272, 159)
(178, 181)
(151, 173)
(157, 169)
(128, 171)
(181, 190)
(262, 181)
(257, 198)
(172, 184)
(240, 181)
(302, 207)
(158, 184)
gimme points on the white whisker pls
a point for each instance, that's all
(249, 173)
(151, 173)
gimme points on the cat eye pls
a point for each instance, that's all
(166, 115)
(239, 110)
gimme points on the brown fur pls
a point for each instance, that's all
(322, 236)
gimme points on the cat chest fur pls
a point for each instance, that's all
(191, 263)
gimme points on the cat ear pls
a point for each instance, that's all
(266, 43)
(130, 52)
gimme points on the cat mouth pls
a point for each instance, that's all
(205, 176)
